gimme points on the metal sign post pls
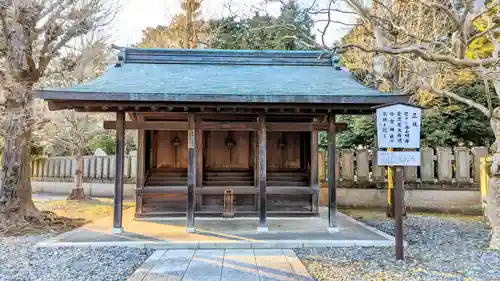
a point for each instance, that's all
(398, 127)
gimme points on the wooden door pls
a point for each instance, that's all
(283, 150)
(172, 149)
(227, 149)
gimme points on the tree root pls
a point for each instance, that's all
(48, 222)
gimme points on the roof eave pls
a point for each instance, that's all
(381, 98)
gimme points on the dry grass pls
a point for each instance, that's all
(372, 214)
(88, 209)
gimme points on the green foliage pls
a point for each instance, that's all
(108, 144)
(288, 31)
(105, 142)
(446, 122)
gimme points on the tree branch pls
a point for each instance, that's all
(423, 54)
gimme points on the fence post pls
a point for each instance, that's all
(378, 172)
(67, 168)
(98, 166)
(444, 164)
(105, 167)
(477, 153)
(34, 168)
(321, 166)
(92, 167)
(40, 167)
(462, 163)
(133, 164)
(347, 172)
(127, 166)
(427, 164)
(86, 167)
(362, 165)
(410, 173)
(61, 167)
(112, 166)
(483, 183)
(46, 167)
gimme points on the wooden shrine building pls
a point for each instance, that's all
(223, 132)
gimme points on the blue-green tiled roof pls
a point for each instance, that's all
(222, 76)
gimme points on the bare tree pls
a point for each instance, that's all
(191, 13)
(72, 131)
(34, 32)
(426, 46)
(85, 59)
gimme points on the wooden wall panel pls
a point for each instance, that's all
(291, 154)
(220, 156)
(289, 158)
(164, 203)
(289, 202)
(167, 156)
(273, 151)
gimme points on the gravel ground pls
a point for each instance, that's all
(20, 260)
(439, 249)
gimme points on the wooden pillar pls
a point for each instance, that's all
(199, 161)
(314, 171)
(120, 157)
(398, 211)
(256, 167)
(332, 192)
(141, 167)
(191, 182)
(262, 174)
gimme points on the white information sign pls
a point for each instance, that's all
(398, 126)
(398, 158)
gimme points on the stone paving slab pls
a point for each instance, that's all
(239, 265)
(223, 265)
(220, 233)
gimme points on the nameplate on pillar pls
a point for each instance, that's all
(191, 139)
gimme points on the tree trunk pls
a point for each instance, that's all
(16, 204)
(493, 196)
(77, 192)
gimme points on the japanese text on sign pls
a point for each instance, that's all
(398, 158)
(398, 126)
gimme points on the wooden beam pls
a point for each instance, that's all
(230, 126)
(141, 166)
(223, 126)
(148, 125)
(262, 174)
(314, 170)
(120, 155)
(300, 127)
(332, 192)
(191, 182)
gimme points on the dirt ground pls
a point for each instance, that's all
(364, 214)
(88, 209)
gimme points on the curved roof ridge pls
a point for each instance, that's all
(225, 57)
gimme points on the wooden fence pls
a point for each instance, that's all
(95, 168)
(442, 167)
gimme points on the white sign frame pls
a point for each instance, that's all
(398, 126)
(398, 158)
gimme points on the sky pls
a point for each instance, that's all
(136, 15)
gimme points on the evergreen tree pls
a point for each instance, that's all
(288, 31)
